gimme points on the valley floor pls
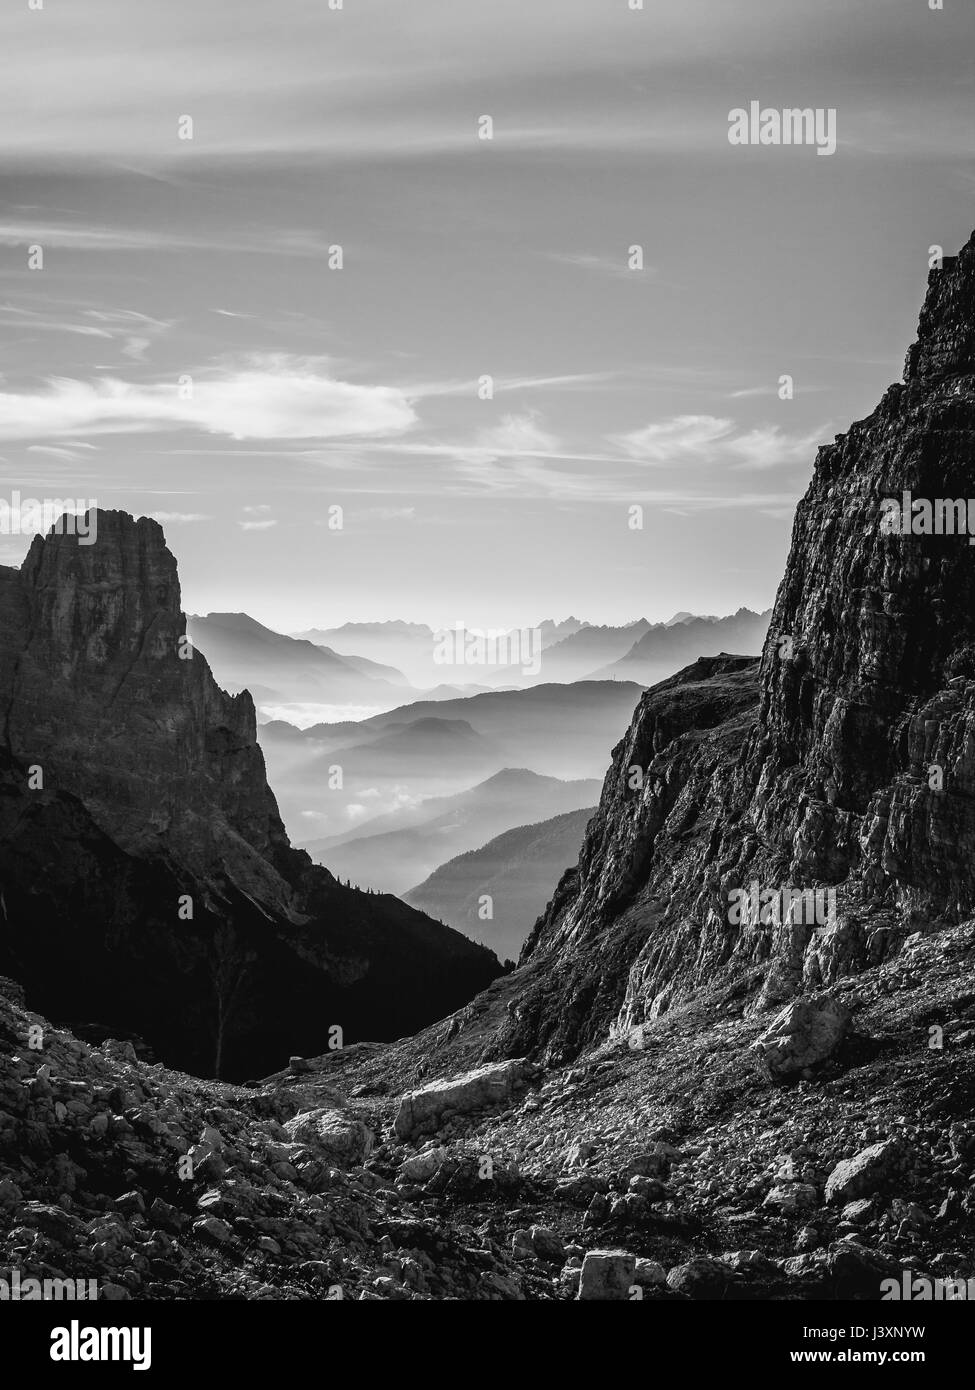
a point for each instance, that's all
(672, 1146)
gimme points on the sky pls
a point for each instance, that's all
(317, 439)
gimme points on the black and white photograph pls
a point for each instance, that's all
(487, 675)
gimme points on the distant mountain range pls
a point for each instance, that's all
(337, 778)
(245, 655)
(409, 747)
(329, 778)
(667, 648)
(575, 656)
(495, 894)
(396, 851)
(411, 648)
(564, 727)
(368, 667)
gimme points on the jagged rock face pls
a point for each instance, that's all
(154, 793)
(96, 693)
(865, 698)
(946, 332)
(875, 693)
(630, 914)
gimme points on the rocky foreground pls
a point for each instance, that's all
(702, 1156)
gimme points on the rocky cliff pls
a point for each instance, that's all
(842, 764)
(148, 882)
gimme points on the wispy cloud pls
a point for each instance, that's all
(752, 392)
(711, 439)
(568, 381)
(136, 330)
(261, 397)
(515, 435)
(67, 453)
(93, 236)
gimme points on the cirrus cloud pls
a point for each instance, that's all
(714, 439)
(273, 397)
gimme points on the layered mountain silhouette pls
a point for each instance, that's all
(642, 651)
(147, 880)
(437, 748)
(842, 760)
(405, 747)
(558, 730)
(665, 648)
(553, 631)
(245, 655)
(494, 894)
(577, 655)
(411, 646)
(394, 852)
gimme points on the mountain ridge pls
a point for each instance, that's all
(494, 893)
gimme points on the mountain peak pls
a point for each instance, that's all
(945, 343)
(126, 555)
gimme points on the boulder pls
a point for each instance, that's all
(607, 1275)
(423, 1165)
(489, 1085)
(859, 1212)
(700, 1277)
(791, 1197)
(859, 1272)
(804, 1034)
(521, 1245)
(811, 1264)
(646, 1187)
(332, 1134)
(547, 1245)
(213, 1227)
(597, 1211)
(748, 1262)
(867, 1172)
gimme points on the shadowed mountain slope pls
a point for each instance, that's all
(147, 879)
